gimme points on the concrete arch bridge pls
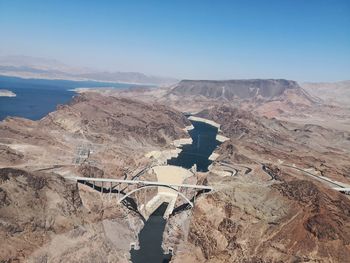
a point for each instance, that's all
(149, 195)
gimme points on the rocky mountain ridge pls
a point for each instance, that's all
(268, 97)
(34, 67)
(235, 89)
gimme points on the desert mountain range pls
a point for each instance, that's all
(33, 67)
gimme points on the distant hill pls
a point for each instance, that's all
(235, 89)
(331, 92)
(130, 77)
(33, 67)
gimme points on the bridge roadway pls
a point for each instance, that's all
(154, 183)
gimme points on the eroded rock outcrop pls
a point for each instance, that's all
(45, 218)
(284, 222)
(34, 206)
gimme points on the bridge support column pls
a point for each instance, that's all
(110, 191)
(101, 188)
(93, 185)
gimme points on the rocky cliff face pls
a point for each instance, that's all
(235, 89)
(33, 206)
(268, 97)
(45, 218)
(249, 222)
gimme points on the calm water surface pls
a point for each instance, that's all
(203, 145)
(35, 98)
(151, 238)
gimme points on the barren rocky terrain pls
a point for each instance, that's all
(116, 132)
(262, 140)
(247, 220)
(274, 212)
(288, 148)
(44, 218)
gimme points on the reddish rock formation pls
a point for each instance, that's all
(301, 221)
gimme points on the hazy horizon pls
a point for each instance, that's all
(297, 40)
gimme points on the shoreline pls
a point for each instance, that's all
(219, 137)
(163, 156)
(210, 122)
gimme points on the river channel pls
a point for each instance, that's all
(151, 236)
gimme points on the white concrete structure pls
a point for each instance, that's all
(168, 186)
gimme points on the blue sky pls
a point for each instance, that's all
(305, 40)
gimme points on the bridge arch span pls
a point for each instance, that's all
(149, 186)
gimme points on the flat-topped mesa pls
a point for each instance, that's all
(235, 89)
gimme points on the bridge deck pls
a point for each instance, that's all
(77, 178)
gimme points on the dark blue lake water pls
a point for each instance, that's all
(35, 98)
(203, 145)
